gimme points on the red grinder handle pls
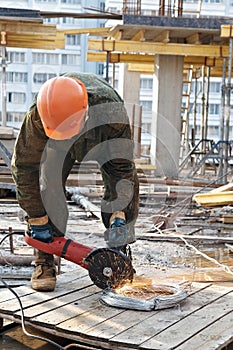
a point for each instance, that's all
(63, 247)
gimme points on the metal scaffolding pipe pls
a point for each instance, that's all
(228, 110)
(222, 120)
(207, 104)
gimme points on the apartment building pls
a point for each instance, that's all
(191, 8)
(28, 69)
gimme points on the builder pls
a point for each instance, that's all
(76, 116)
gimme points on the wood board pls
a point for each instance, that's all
(74, 311)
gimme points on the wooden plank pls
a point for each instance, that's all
(72, 276)
(226, 219)
(129, 46)
(216, 336)
(30, 297)
(36, 44)
(90, 31)
(164, 36)
(164, 319)
(6, 295)
(56, 310)
(226, 31)
(86, 299)
(122, 321)
(27, 28)
(84, 179)
(139, 35)
(149, 59)
(214, 199)
(227, 187)
(198, 320)
(87, 316)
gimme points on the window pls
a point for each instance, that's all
(71, 2)
(14, 117)
(9, 117)
(214, 108)
(52, 58)
(100, 69)
(16, 97)
(191, 1)
(199, 108)
(212, 1)
(231, 132)
(50, 20)
(146, 106)
(68, 20)
(196, 85)
(45, 58)
(213, 131)
(49, 1)
(146, 127)
(42, 77)
(146, 84)
(69, 59)
(102, 5)
(16, 57)
(38, 58)
(215, 87)
(16, 77)
(73, 39)
(34, 94)
(115, 84)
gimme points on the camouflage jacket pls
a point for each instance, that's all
(42, 165)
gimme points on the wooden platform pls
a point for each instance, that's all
(74, 311)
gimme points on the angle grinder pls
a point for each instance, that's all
(108, 268)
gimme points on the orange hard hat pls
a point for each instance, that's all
(62, 105)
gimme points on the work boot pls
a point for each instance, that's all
(44, 275)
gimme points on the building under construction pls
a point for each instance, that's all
(183, 253)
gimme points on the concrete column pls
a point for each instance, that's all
(166, 114)
(129, 90)
(129, 85)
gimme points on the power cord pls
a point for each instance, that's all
(49, 341)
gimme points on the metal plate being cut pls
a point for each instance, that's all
(109, 268)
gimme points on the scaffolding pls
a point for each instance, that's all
(132, 7)
(207, 152)
(168, 8)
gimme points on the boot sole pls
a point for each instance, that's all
(44, 285)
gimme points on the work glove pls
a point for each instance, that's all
(117, 233)
(40, 229)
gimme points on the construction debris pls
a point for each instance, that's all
(217, 197)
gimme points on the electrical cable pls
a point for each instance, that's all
(23, 319)
(49, 341)
(10, 234)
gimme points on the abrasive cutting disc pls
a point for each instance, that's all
(109, 268)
